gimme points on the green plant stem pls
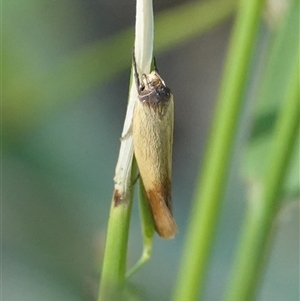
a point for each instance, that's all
(261, 213)
(207, 204)
(147, 231)
(114, 261)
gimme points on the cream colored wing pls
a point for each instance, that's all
(152, 139)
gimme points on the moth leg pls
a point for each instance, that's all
(135, 180)
(145, 78)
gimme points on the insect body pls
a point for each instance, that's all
(153, 120)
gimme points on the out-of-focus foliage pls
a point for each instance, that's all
(34, 88)
(278, 61)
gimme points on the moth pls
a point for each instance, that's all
(152, 129)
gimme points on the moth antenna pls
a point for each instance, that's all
(154, 64)
(157, 72)
(136, 75)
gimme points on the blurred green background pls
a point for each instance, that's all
(65, 78)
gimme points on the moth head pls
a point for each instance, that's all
(151, 81)
(153, 89)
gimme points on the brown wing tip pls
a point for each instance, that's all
(165, 225)
(166, 228)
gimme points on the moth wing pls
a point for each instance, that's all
(152, 139)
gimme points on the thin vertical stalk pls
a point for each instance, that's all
(253, 248)
(205, 212)
(114, 263)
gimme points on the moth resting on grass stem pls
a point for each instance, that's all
(152, 128)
